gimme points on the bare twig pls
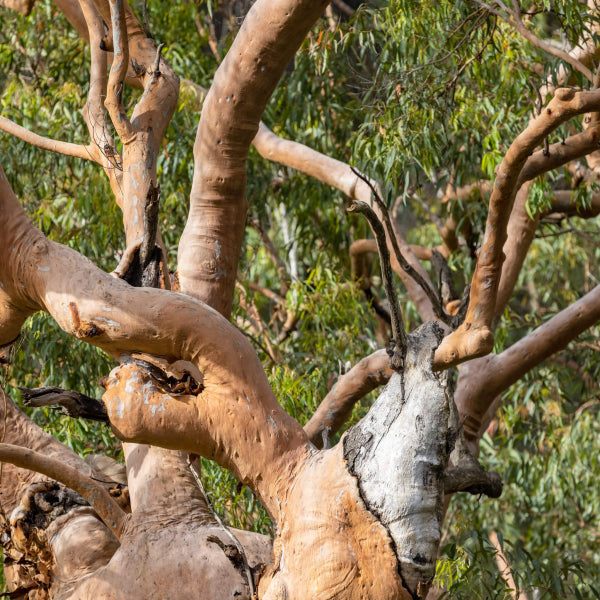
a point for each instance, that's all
(406, 266)
(145, 19)
(398, 341)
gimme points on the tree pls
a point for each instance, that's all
(361, 518)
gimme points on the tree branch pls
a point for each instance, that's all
(94, 112)
(245, 80)
(66, 148)
(474, 337)
(483, 379)
(235, 388)
(397, 349)
(118, 72)
(406, 266)
(99, 499)
(368, 374)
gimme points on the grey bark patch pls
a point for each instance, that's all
(399, 453)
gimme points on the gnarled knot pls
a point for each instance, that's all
(396, 356)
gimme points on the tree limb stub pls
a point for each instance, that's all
(73, 404)
(472, 479)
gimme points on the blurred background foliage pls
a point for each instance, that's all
(417, 97)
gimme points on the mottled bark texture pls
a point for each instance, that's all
(403, 445)
(360, 520)
(234, 420)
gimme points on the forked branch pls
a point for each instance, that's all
(406, 266)
(474, 337)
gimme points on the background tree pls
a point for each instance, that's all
(432, 118)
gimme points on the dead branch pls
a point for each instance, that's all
(397, 349)
(97, 496)
(73, 404)
(406, 266)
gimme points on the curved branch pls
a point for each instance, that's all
(365, 376)
(398, 341)
(118, 72)
(210, 246)
(66, 148)
(483, 379)
(265, 442)
(94, 111)
(423, 283)
(474, 337)
(98, 498)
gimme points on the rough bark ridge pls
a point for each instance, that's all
(402, 445)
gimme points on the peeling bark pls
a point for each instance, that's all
(402, 444)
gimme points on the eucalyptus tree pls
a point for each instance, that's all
(362, 517)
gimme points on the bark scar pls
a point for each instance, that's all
(83, 329)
